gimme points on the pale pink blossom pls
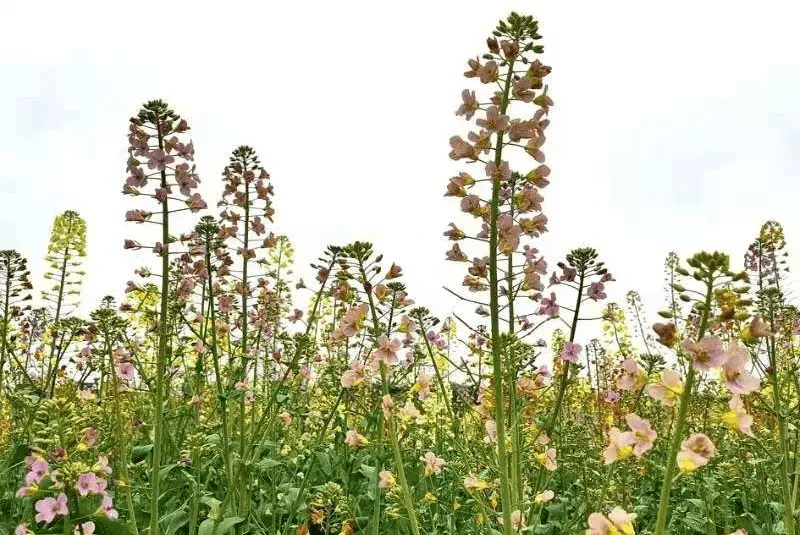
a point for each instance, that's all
(706, 354)
(631, 377)
(354, 376)
(643, 434)
(668, 390)
(695, 452)
(47, 509)
(86, 528)
(106, 508)
(596, 291)
(433, 464)
(736, 378)
(620, 445)
(737, 418)
(469, 105)
(618, 522)
(571, 352)
(386, 480)
(354, 439)
(386, 351)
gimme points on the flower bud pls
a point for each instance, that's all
(491, 42)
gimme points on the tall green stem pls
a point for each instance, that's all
(494, 308)
(677, 432)
(161, 360)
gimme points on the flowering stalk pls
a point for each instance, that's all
(707, 266)
(155, 118)
(361, 255)
(67, 246)
(14, 286)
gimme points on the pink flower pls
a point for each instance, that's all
(158, 159)
(423, 386)
(508, 234)
(87, 528)
(354, 439)
(668, 390)
(433, 464)
(386, 351)
(596, 291)
(196, 203)
(631, 377)
(737, 418)
(139, 216)
(758, 328)
(387, 405)
(469, 106)
(488, 72)
(618, 522)
(106, 509)
(410, 411)
(707, 353)
(102, 465)
(643, 434)
(570, 352)
(501, 172)
(462, 149)
(491, 431)
(620, 445)
(354, 376)
(387, 480)
(90, 436)
(22, 529)
(125, 371)
(89, 483)
(737, 380)
(695, 452)
(39, 469)
(494, 121)
(549, 306)
(48, 509)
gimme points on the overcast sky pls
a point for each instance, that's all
(675, 127)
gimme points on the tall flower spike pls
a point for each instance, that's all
(160, 157)
(15, 289)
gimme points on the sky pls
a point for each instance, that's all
(675, 124)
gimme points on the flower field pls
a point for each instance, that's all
(230, 392)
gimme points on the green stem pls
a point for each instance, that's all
(161, 360)
(494, 308)
(675, 443)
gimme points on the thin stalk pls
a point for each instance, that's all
(161, 359)
(675, 443)
(494, 309)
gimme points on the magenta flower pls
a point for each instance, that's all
(125, 371)
(549, 306)
(570, 352)
(596, 291)
(48, 509)
(39, 469)
(158, 159)
(89, 483)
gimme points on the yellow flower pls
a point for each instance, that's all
(430, 497)
(686, 466)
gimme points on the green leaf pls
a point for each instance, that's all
(224, 527)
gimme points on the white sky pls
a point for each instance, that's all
(675, 126)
